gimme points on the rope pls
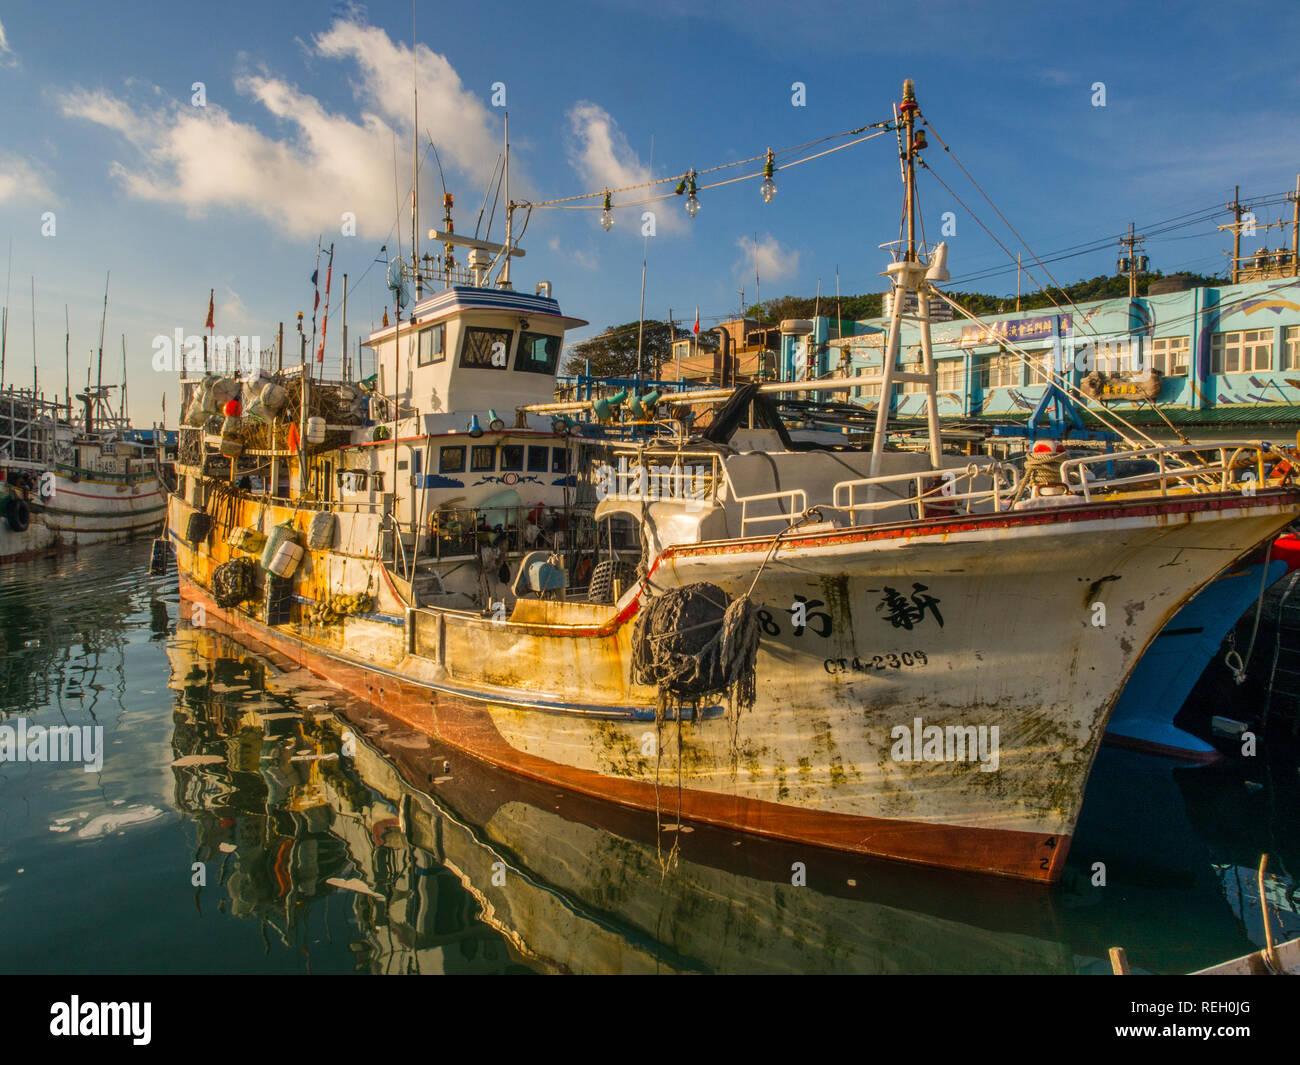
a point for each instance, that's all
(1043, 468)
(1239, 670)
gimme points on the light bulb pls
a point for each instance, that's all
(607, 220)
(692, 205)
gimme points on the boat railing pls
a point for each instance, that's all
(1210, 468)
(798, 505)
(463, 532)
(934, 493)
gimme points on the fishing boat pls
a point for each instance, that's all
(894, 652)
(70, 481)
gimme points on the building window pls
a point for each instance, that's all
(485, 349)
(512, 457)
(952, 375)
(538, 353)
(482, 458)
(1171, 355)
(451, 460)
(430, 345)
(538, 459)
(1250, 349)
(1292, 342)
(999, 371)
(867, 391)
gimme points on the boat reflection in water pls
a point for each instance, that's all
(453, 866)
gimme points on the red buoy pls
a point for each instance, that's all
(231, 409)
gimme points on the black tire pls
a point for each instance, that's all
(17, 514)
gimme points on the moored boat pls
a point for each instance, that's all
(907, 654)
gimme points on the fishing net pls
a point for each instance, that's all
(234, 581)
(694, 641)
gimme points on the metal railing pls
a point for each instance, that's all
(1216, 468)
(935, 493)
(798, 505)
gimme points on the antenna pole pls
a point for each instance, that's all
(123, 414)
(67, 367)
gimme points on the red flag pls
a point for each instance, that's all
(385, 325)
(696, 330)
(208, 324)
(293, 440)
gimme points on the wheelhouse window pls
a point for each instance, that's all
(485, 349)
(512, 457)
(451, 460)
(1171, 355)
(538, 353)
(559, 460)
(431, 345)
(482, 458)
(538, 459)
(1241, 352)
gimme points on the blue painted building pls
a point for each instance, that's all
(1227, 359)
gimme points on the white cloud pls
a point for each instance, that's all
(20, 180)
(7, 57)
(773, 260)
(325, 164)
(600, 153)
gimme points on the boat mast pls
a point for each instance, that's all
(415, 164)
(99, 376)
(911, 278)
(503, 279)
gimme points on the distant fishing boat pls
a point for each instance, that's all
(902, 653)
(67, 483)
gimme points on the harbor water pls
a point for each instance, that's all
(247, 818)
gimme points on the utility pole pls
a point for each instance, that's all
(1237, 210)
(1131, 262)
(1294, 197)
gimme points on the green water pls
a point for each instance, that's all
(248, 819)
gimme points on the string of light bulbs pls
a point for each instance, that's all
(687, 183)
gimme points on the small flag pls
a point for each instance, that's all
(208, 324)
(293, 439)
(385, 318)
(313, 276)
(696, 330)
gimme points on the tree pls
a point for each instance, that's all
(614, 352)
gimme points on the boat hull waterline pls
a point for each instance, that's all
(960, 625)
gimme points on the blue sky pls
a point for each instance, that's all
(308, 112)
